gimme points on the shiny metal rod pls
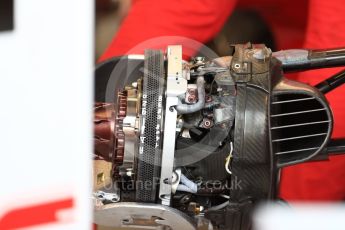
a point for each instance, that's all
(332, 83)
(295, 60)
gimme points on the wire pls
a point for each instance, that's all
(225, 196)
(228, 159)
(220, 206)
(211, 88)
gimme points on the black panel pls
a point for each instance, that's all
(151, 119)
(252, 162)
(6, 15)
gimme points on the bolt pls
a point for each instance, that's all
(191, 98)
(199, 60)
(135, 84)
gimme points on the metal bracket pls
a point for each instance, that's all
(176, 85)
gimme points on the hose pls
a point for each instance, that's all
(185, 108)
(184, 188)
(220, 206)
(187, 185)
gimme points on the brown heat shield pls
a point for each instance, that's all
(109, 138)
(104, 123)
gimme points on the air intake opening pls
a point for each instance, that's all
(300, 123)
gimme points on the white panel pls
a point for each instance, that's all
(46, 67)
(301, 216)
